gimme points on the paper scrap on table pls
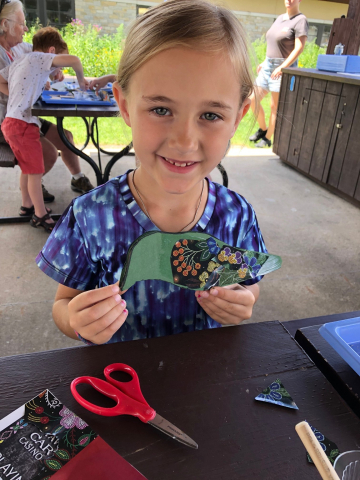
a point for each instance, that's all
(276, 393)
(44, 439)
(192, 260)
(329, 447)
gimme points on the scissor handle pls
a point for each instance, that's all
(131, 388)
(125, 405)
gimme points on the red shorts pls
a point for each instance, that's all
(24, 140)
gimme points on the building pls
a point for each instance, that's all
(110, 13)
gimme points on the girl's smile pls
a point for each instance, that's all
(178, 166)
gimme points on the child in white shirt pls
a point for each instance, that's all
(23, 81)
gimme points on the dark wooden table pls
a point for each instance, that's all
(84, 111)
(205, 383)
(343, 378)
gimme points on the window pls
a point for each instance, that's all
(50, 12)
(140, 10)
(320, 32)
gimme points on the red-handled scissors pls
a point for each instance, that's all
(129, 401)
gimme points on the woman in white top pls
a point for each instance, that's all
(12, 30)
(286, 40)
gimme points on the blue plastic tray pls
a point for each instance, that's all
(53, 97)
(338, 63)
(344, 337)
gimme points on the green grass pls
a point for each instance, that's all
(114, 131)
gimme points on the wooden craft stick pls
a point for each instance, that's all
(317, 454)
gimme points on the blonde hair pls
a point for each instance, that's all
(9, 10)
(196, 24)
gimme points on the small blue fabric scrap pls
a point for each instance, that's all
(277, 394)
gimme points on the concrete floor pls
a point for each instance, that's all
(316, 233)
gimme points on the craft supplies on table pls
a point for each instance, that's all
(45, 439)
(344, 337)
(129, 401)
(63, 86)
(316, 452)
(76, 98)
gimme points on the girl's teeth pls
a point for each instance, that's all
(179, 164)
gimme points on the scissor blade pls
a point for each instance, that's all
(166, 427)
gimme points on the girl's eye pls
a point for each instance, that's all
(211, 116)
(161, 111)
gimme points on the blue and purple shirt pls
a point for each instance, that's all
(87, 249)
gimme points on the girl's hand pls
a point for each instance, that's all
(97, 314)
(259, 67)
(276, 73)
(228, 305)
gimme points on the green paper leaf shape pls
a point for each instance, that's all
(192, 260)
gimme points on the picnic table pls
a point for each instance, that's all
(204, 382)
(42, 109)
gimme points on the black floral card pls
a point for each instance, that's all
(38, 439)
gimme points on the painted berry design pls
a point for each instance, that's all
(204, 264)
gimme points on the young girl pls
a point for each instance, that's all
(183, 86)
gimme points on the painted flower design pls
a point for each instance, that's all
(251, 265)
(242, 272)
(272, 392)
(212, 265)
(70, 420)
(19, 425)
(320, 437)
(213, 246)
(203, 277)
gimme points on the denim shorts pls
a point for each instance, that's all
(264, 79)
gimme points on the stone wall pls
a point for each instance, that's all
(110, 13)
(255, 25)
(106, 13)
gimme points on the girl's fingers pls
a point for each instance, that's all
(232, 294)
(87, 299)
(96, 312)
(227, 305)
(95, 328)
(106, 334)
(221, 307)
(221, 316)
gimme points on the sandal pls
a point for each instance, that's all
(41, 222)
(27, 211)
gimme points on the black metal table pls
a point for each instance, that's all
(42, 109)
(85, 112)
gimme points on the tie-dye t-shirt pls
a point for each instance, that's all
(88, 247)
